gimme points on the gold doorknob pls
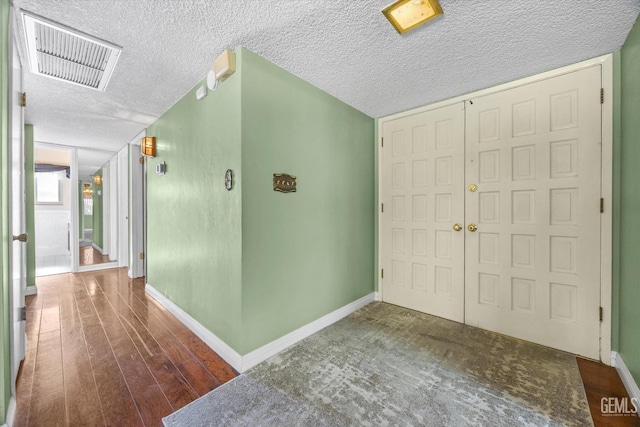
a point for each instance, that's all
(472, 227)
(457, 227)
(473, 188)
(22, 237)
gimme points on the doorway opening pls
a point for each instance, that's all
(53, 210)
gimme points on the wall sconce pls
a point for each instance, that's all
(148, 146)
(97, 179)
(406, 15)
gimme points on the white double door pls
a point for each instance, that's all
(492, 212)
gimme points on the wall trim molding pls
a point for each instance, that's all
(274, 347)
(31, 290)
(223, 349)
(625, 375)
(11, 412)
(95, 267)
(243, 363)
(97, 248)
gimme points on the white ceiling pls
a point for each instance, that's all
(345, 48)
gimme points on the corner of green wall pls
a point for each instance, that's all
(628, 251)
(308, 253)
(193, 223)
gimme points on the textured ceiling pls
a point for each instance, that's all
(347, 49)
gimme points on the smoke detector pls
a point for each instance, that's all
(62, 53)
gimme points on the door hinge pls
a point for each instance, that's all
(23, 99)
(601, 95)
(601, 205)
(141, 255)
(141, 160)
(382, 273)
(382, 207)
(23, 314)
(382, 141)
(601, 315)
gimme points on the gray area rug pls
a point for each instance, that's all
(385, 365)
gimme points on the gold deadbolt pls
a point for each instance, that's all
(472, 227)
(473, 188)
(457, 227)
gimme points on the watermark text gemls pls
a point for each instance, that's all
(619, 406)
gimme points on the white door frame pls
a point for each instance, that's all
(113, 209)
(17, 279)
(73, 163)
(123, 207)
(606, 62)
(136, 208)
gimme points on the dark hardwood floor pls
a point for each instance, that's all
(90, 256)
(101, 352)
(603, 382)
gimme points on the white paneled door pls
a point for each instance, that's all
(533, 265)
(520, 170)
(423, 188)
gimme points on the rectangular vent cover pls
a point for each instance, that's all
(65, 54)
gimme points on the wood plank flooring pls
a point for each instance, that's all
(101, 352)
(603, 382)
(90, 256)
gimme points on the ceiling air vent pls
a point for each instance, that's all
(65, 54)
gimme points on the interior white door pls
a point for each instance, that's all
(533, 265)
(423, 197)
(17, 255)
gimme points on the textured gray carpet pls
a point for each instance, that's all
(385, 365)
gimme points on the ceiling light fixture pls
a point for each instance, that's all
(406, 15)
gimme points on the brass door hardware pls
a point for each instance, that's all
(457, 227)
(473, 188)
(21, 237)
(472, 227)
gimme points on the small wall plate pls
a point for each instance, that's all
(284, 183)
(228, 179)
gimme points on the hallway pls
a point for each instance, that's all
(101, 352)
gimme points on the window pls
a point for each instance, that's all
(48, 188)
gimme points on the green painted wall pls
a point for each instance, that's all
(97, 212)
(251, 264)
(307, 253)
(5, 322)
(193, 223)
(88, 222)
(629, 250)
(29, 183)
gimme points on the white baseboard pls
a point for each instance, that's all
(274, 347)
(226, 352)
(31, 290)
(11, 412)
(94, 267)
(625, 376)
(243, 363)
(97, 248)
(376, 296)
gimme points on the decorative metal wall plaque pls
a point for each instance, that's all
(284, 183)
